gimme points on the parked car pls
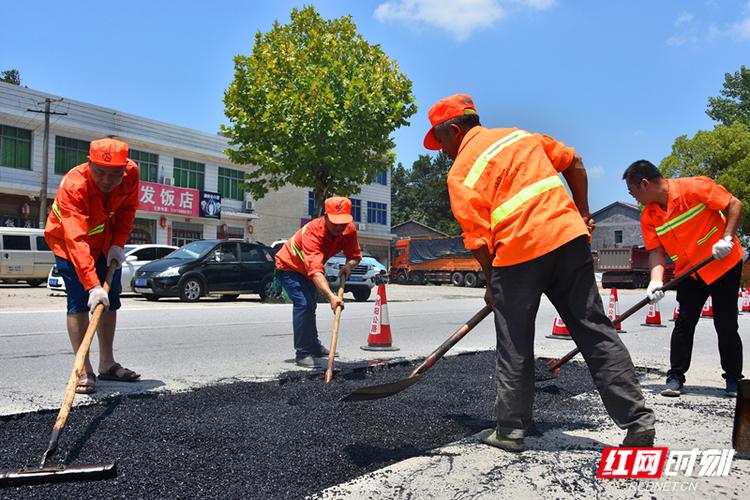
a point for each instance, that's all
(24, 255)
(136, 256)
(218, 267)
(368, 273)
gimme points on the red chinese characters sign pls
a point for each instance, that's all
(165, 199)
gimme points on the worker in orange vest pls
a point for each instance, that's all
(300, 264)
(531, 239)
(90, 222)
(683, 218)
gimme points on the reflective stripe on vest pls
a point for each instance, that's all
(680, 219)
(98, 229)
(523, 196)
(299, 253)
(674, 258)
(712, 231)
(56, 210)
(481, 163)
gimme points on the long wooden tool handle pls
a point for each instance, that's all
(452, 340)
(70, 390)
(334, 337)
(669, 286)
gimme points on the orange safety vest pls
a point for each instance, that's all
(80, 226)
(311, 246)
(691, 225)
(506, 193)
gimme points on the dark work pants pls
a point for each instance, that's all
(692, 295)
(304, 297)
(566, 276)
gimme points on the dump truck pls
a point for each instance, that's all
(437, 260)
(627, 267)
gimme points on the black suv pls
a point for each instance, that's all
(222, 267)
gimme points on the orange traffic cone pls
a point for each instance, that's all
(708, 309)
(379, 338)
(613, 312)
(746, 301)
(676, 312)
(559, 330)
(653, 316)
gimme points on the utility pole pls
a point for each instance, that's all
(45, 158)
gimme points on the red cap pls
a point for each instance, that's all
(444, 110)
(339, 210)
(108, 153)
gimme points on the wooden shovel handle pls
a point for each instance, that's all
(334, 337)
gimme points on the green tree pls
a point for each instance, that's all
(11, 76)
(734, 103)
(421, 194)
(722, 154)
(314, 105)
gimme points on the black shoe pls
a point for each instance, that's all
(323, 353)
(639, 439)
(492, 438)
(306, 362)
(674, 387)
(731, 389)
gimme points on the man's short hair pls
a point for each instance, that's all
(466, 122)
(639, 170)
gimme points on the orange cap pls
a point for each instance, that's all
(339, 209)
(444, 110)
(108, 153)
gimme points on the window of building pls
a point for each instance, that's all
(311, 204)
(231, 232)
(189, 174)
(357, 210)
(230, 182)
(183, 233)
(377, 213)
(69, 153)
(148, 164)
(15, 147)
(382, 179)
(618, 237)
(143, 233)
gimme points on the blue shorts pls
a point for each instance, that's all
(78, 297)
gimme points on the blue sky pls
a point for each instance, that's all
(618, 80)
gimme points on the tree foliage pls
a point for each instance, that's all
(722, 154)
(11, 76)
(421, 194)
(734, 102)
(314, 105)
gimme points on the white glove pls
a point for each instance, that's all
(116, 254)
(654, 291)
(723, 247)
(97, 295)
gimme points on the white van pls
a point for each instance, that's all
(24, 256)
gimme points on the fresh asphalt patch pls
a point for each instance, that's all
(283, 439)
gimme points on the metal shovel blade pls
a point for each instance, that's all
(382, 390)
(63, 473)
(741, 430)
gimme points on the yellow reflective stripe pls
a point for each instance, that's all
(523, 196)
(98, 229)
(481, 163)
(674, 258)
(679, 220)
(299, 253)
(56, 211)
(712, 231)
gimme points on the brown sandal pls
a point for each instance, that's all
(127, 375)
(88, 387)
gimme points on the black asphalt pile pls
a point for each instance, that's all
(283, 439)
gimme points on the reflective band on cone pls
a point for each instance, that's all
(559, 330)
(653, 316)
(708, 309)
(379, 338)
(676, 312)
(740, 300)
(613, 312)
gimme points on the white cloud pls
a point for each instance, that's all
(683, 18)
(461, 18)
(742, 29)
(595, 172)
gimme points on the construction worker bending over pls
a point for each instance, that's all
(532, 239)
(301, 262)
(87, 228)
(683, 218)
